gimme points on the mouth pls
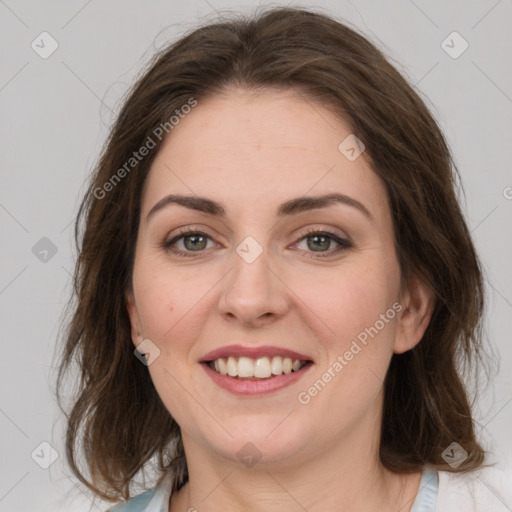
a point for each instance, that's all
(254, 370)
(262, 368)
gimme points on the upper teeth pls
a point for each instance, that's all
(262, 367)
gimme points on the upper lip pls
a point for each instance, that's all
(252, 352)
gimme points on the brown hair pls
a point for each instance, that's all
(117, 414)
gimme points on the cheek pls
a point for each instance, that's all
(168, 299)
(357, 329)
(171, 303)
(348, 299)
(350, 377)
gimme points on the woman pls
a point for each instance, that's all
(273, 227)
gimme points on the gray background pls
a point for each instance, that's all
(55, 115)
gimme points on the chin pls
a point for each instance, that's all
(264, 439)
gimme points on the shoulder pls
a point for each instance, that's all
(481, 490)
(135, 504)
(154, 500)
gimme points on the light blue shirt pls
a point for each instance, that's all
(157, 499)
(426, 498)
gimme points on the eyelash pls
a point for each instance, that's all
(343, 244)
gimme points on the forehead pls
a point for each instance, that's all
(257, 150)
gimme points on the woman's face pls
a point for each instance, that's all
(274, 274)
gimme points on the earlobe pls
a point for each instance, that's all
(136, 330)
(418, 305)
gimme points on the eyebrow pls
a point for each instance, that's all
(290, 207)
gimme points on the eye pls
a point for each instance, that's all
(319, 243)
(322, 242)
(188, 242)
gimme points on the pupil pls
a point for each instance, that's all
(325, 245)
(197, 242)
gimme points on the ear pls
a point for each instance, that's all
(135, 323)
(418, 305)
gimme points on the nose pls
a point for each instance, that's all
(254, 294)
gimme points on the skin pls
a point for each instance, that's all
(251, 152)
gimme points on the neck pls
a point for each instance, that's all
(344, 477)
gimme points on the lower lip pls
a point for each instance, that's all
(255, 387)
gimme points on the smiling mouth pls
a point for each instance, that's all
(261, 368)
